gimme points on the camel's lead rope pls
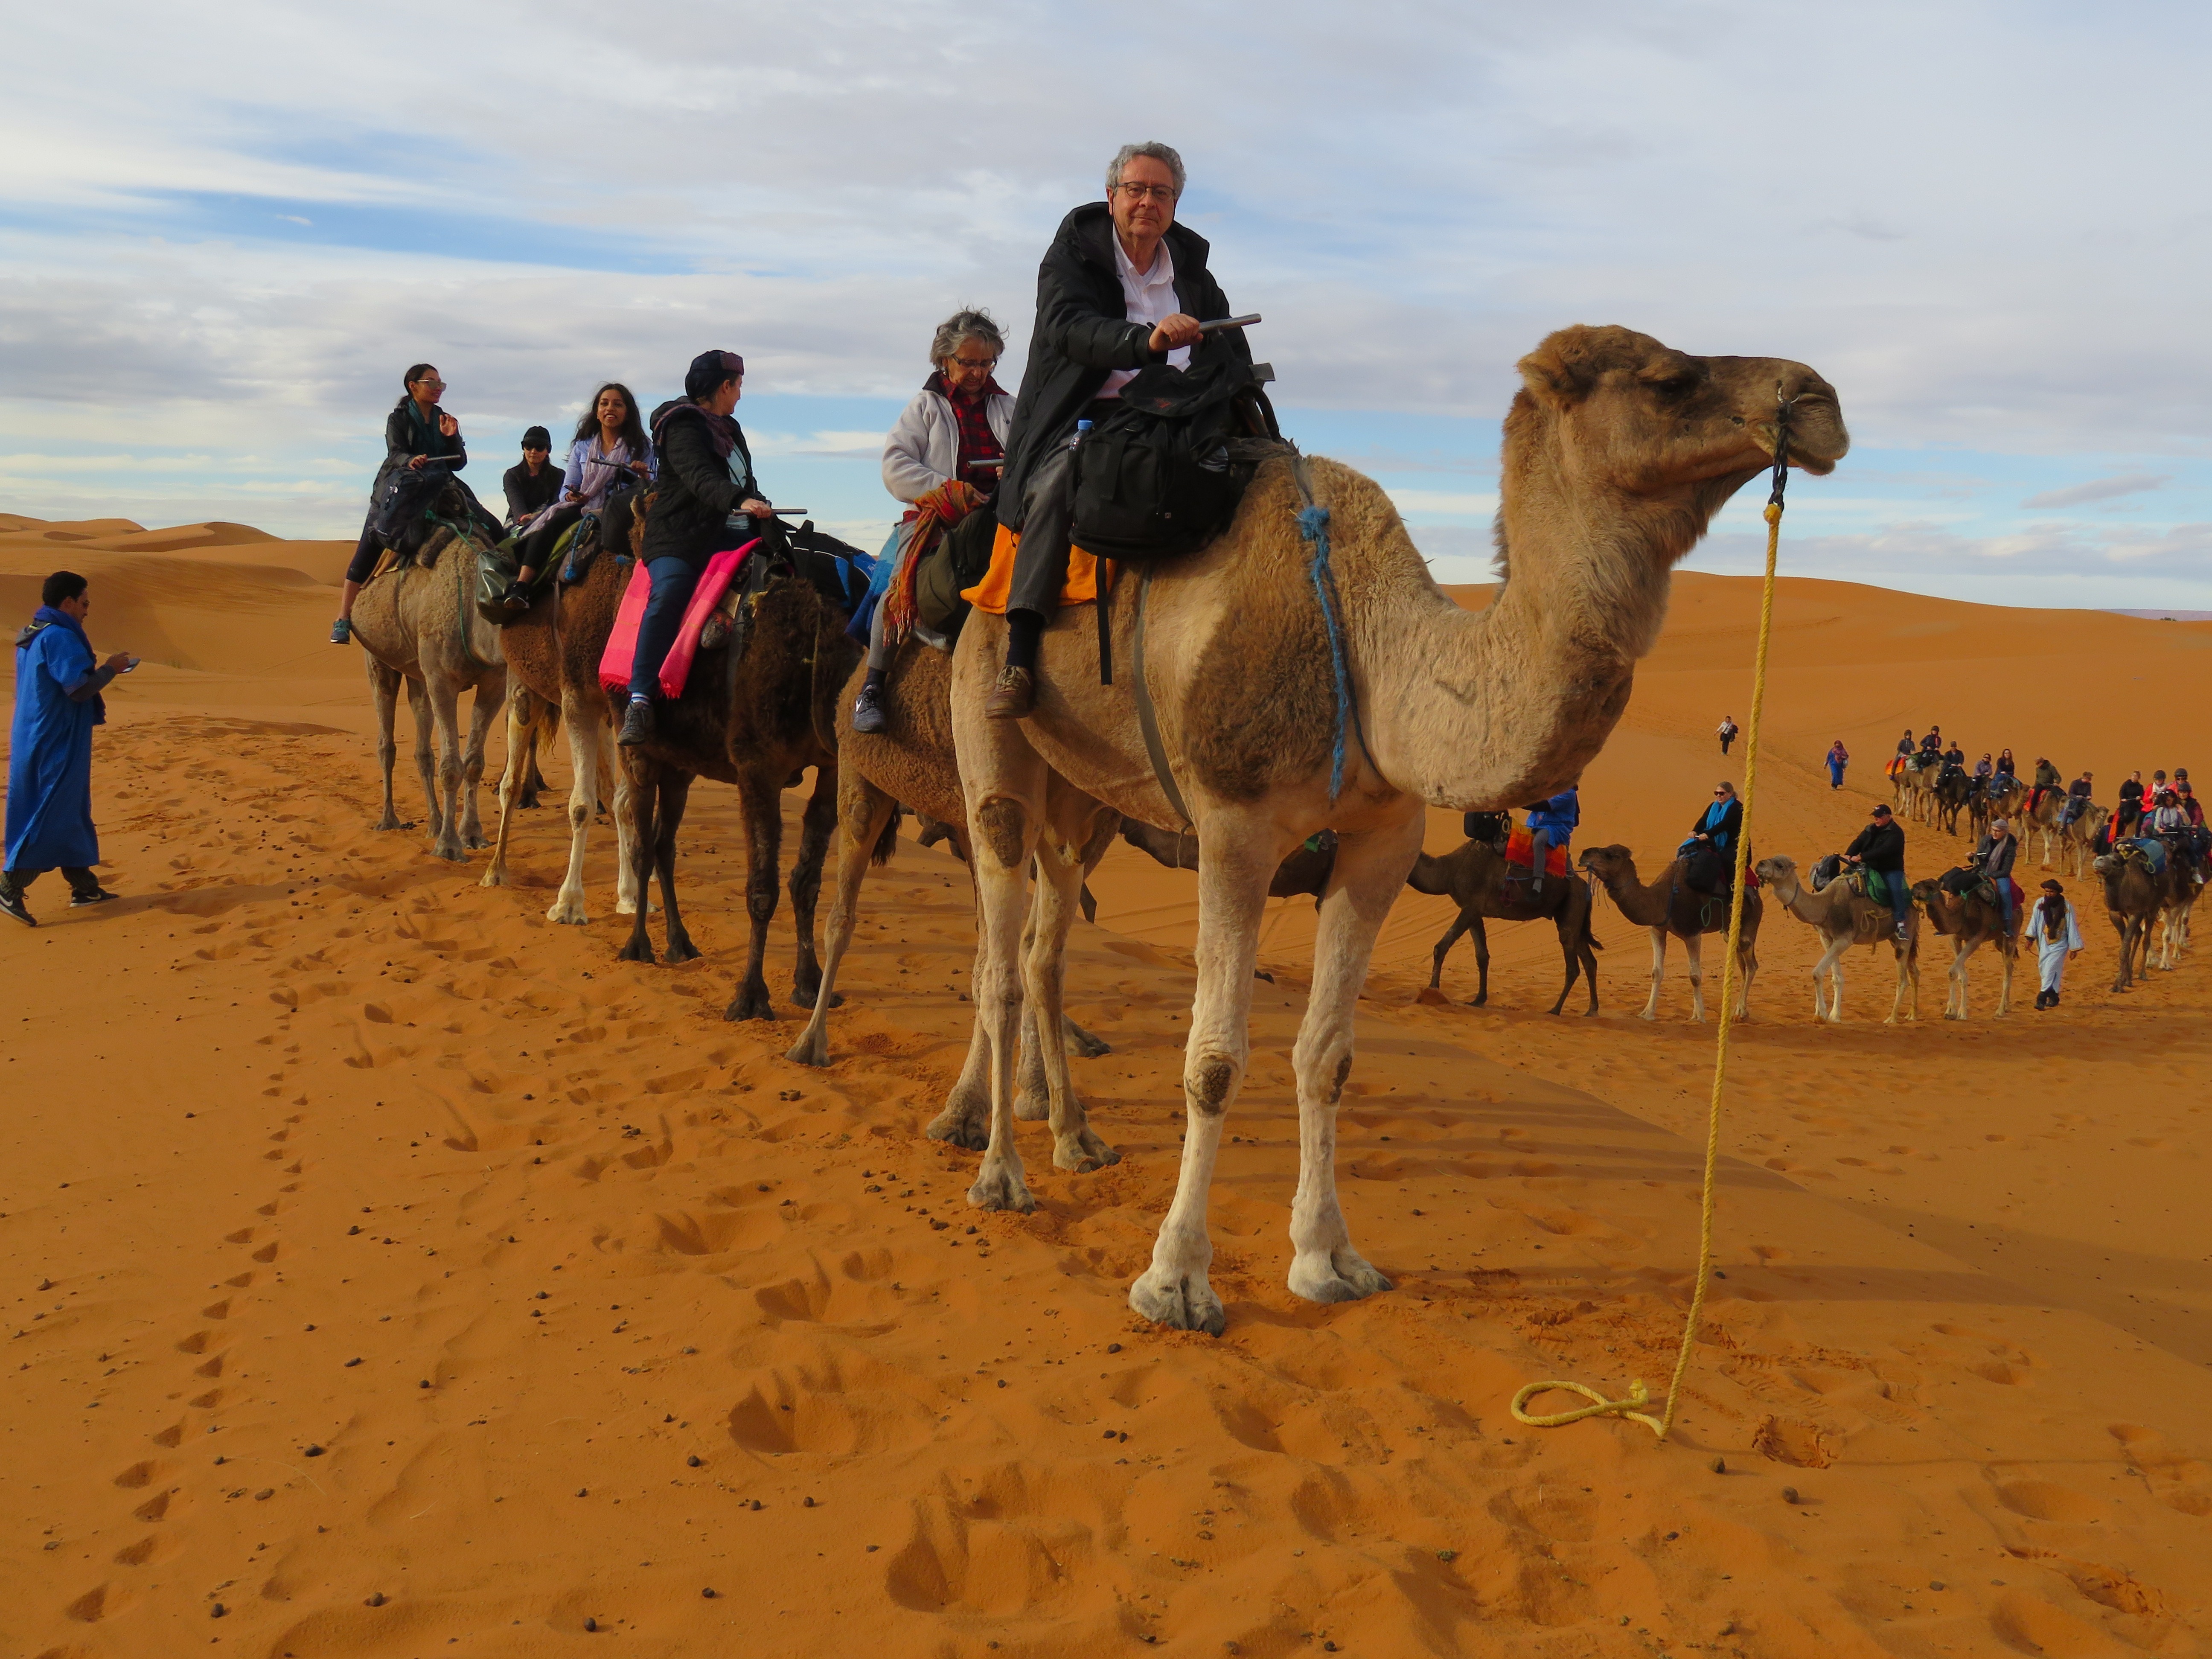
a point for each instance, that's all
(1637, 1395)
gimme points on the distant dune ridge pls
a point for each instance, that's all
(394, 1269)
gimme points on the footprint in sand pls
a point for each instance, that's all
(2047, 1500)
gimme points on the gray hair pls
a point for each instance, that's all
(1157, 151)
(969, 323)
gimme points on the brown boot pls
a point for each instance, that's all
(1013, 697)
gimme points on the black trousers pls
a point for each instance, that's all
(80, 880)
(366, 551)
(1048, 526)
(536, 546)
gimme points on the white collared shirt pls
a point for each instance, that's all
(1148, 297)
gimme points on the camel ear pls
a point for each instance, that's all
(1556, 373)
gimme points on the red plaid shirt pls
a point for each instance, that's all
(977, 441)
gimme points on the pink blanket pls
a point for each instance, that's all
(621, 644)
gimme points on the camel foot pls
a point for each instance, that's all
(813, 1047)
(999, 1186)
(1083, 1152)
(1082, 1043)
(568, 910)
(803, 995)
(1182, 1304)
(452, 852)
(1950, 1016)
(494, 876)
(751, 1002)
(1648, 1014)
(475, 840)
(966, 1121)
(1341, 1275)
(640, 949)
(391, 821)
(680, 947)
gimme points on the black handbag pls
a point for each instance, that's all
(1157, 478)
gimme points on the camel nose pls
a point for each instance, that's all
(1818, 439)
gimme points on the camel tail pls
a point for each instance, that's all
(887, 842)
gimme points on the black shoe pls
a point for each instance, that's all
(91, 896)
(637, 724)
(868, 716)
(517, 597)
(11, 901)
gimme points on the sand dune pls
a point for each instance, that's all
(403, 1274)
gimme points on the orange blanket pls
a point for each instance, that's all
(1520, 849)
(990, 594)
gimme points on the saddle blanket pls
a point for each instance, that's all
(1519, 850)
(991, 593)
(621, 644)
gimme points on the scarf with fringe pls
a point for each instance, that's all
(920, 530)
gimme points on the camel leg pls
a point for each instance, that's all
(1005, 818)
(814, 829)
(485, 705)
(1087, 1045)
(763, 802)
(642, 773)
(446, 710)
(1569, 949)
(521, 715)
(1954, 1003)
(418, 704)
(1747, 969)
(1234, 867)
(631, 893)
(1059, 863)
(1658, 968)
(2008, 956)
(1481, 963)
(1444, 949)
(384, 687)
(964, 1120)
(863, 811)
(1908, 970)
(1828, 982)
(584, 740)
(1693, 956)
(668, 818)
(1369, 870)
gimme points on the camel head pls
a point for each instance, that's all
(1608, 863)
(1775, 870)
(1614, 411)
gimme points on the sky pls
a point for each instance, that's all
(226, 231)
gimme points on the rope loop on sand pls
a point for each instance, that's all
(1599, 1405)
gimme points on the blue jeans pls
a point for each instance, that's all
(673, 580)
(1900, 897)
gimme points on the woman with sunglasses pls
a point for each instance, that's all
(416, 431)
(954, 433)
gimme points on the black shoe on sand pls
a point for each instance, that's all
(91, 896)
(11, 901)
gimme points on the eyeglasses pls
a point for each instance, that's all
(976, 362)
(1155, 192)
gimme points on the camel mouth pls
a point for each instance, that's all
(1817, 438)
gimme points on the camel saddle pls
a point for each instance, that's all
(1520, 852)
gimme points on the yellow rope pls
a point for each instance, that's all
(1637, 1394)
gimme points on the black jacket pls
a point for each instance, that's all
(1997, 856)
(527, 495)
(405, 437)
(1724, 833)
(704, 472)
(1083, 333)
(1879, 846)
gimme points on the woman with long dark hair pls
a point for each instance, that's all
(610, 449)
(416, 431)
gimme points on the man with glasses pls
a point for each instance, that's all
(1122, 286)
(1879, 849)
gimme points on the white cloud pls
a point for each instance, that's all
(2098, 490)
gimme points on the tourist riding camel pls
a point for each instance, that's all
(2007, 767)
(1711, 849)
(1617, 452)
(533, 483)
(1906, 749)
(1961, 907)
(609, 451)
(1879, 850)
(1993, 856)
(1483, 877)
(706, 501)
(1844, 915)
(1122, 286)
(1550, 824)
(1671, 909)
(2057, 931)
(943, 459)
(415, 432)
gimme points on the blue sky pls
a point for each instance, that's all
(225, 234)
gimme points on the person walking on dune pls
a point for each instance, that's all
(2057, 931)
(1726, 731)
(58, 702)
(1838, 758)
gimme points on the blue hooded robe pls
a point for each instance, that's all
(50, 758)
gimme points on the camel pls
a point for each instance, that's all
(418, 623)
(2042, 817)
(1999, 797)
(911, 763)
(757, 712)
(1668, 908)
(1954, 790)
(1844, 917)
(2077, 842)
(2135, 899)
(1970, 921)
(1916, 789)
(1617, 453)
(554, 650)
(1474, 876)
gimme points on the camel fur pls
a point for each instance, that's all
(1475, 877)
(1844, 917)
(1970, 921)
(418, 622)
(1618, 451)
(1669, 907)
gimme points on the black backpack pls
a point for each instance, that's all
(1157, 478)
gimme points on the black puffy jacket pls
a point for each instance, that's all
(405, 436)
(1083, 333)
(704, 472)
(1880, 846)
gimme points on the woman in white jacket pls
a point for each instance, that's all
(953, 431)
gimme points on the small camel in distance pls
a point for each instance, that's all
(1475, 877)
(1970, 921)
(1844, 917)
(1667, 907)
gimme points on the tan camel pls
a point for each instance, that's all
(554, 649)
(419, 623)
(1475, 876)
(2042, 817)
(1617, 452)
(911, 763)
(1668, 908)
(1970, 921)
(2139, 902)
(2077, 842)
(1844, 917)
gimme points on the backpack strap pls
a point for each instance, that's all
(1148, 717)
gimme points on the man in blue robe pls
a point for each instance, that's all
(58, 702)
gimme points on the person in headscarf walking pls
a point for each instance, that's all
(2057, 931)
(58, 702)
(1838, 758)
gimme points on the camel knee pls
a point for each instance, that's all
(1209, 1083)
(1003, 827)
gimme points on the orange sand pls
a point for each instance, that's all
(372, 1242)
